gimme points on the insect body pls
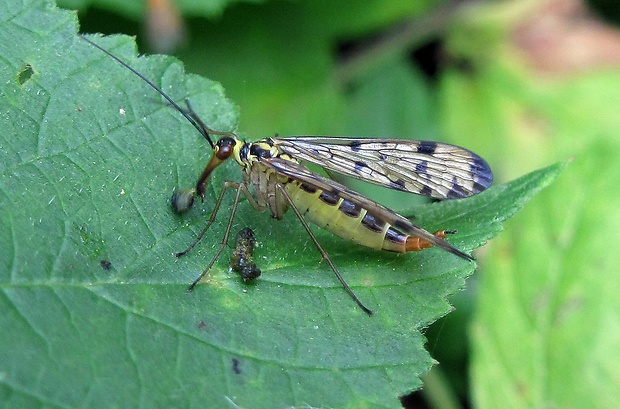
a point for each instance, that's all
(275, 178)
(280, 181)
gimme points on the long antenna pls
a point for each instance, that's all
(189, 115)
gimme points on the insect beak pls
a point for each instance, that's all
(204, 177)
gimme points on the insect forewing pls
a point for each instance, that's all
(426, 168)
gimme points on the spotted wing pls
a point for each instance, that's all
(305, 176)
(426, 168)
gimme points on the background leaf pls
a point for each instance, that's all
(544, 329)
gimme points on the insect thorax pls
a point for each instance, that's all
(262, 179)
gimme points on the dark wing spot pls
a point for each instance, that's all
(427, 147)
(105, 264)
(360, 167)
(483, 176)
(426, 191)
(355, 146)
(457, 191)
(421, 167)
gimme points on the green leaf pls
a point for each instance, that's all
(95, 308)
(545, 332)
(552, 338)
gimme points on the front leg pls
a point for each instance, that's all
(241, 188)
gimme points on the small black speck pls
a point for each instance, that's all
(105, 264)
(355, 146)
(235, 366)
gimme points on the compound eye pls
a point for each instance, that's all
(224, 148)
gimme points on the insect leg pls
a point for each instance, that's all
(323, 252)
(218, 203)
(240, 188)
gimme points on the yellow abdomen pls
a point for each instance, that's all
(351, 222)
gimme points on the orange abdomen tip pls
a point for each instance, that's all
(418, 244)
